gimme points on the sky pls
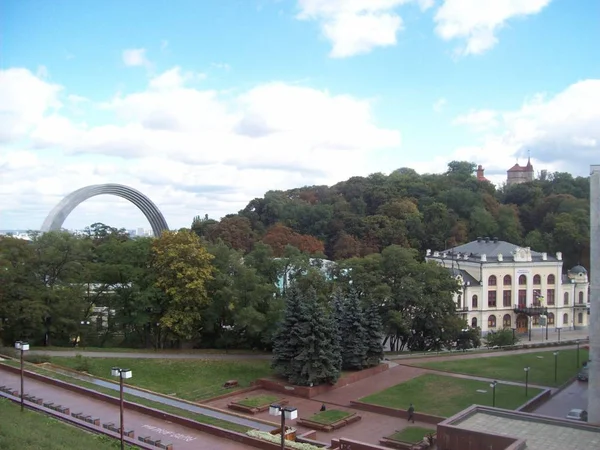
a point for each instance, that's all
(204, 105)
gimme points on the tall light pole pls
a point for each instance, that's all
(122, 374)
(285, 413)
(555, 366)
(526, 369)
(558, 329)
(493, 386)
(23, 347)
(577, 364)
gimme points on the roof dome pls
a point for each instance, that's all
(578, 269)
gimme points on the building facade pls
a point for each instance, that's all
(503, 285)
(520, 174)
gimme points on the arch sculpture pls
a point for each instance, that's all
(60, 212)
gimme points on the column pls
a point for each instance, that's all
(594, 319)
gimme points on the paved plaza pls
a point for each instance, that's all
(574, 396)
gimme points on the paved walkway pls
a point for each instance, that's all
(574, 396)
(182, 438)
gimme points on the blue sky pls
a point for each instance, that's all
(271, 94)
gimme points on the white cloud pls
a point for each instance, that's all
(191, 150)
(135, 57)
(477, 21)
(561, 131)
(439, 104)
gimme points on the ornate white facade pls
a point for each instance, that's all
(507, 286)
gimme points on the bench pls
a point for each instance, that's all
(108, 426)
(63, 410)
(49, 405)
(165, 446)
(230, 384)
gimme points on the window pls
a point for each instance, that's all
(491, 299)
(492, 321)
(565, 319)
(522, 298)
(492, 280)
(522, 280)
(474, 322)
(506, 321)
(550, 296)
(580, 318)
(551, 279)
(474, 301)
(507, 280)
(537, 280)
(536, 297)
(566, 298)
(535, 320)
(581, 298)
(459, 301)
(507, 299)
(550, 318)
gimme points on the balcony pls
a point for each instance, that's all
(581, 305)
(462, 309)
(531, 310)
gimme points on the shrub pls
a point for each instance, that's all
(82, 364)
(37, 359)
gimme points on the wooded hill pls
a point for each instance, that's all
(364, 215)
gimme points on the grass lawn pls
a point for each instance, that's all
(258, 401)
(187, 379)
(445, 396)
(142, 401)
(329, 417)
(510, 367)
(33, 431)
(411, 434)
(216, 351)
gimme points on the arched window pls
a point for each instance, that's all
(566, 298)
(522, 280)
(551, 279)
(537, 279)
(580, 318)
(492, 281)
(565, 319)
(492, 321)
(581, 297)
(506, 321)
(507, 280)
(474, 301)
(459, 301)
(474, 322)
(550, 318)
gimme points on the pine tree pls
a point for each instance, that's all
(373, 327)
(354, 348)
(287, 341)
(319, 360)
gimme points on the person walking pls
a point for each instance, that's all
(411, 413)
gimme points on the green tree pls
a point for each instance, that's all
(354, 338)
(373, 330)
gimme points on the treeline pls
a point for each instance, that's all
(364, 215)
(106, 289)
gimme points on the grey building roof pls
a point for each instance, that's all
(466, 276)
(489, 247)
(578, 269)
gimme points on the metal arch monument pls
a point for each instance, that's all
(60, 212)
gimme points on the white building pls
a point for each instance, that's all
(507, 286)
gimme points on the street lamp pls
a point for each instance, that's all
(285, 413)
(23, 347)
(526, 369)
(555, 366)
(83, 324)
(513, 330)
(558, 329)
(493, 386)
(122, 374)
(577, 366)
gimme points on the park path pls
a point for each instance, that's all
(182, 438)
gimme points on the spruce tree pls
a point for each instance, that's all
(319, 360)
(287, 341)
(354, 348)
(373, 327)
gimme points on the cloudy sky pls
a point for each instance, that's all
(204, 105)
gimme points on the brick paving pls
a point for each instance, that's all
(182, 438)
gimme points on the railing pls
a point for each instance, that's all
(531, 310)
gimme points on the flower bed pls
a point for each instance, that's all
(256, 404)
(409, 438)
(329, 420)
(276, 438)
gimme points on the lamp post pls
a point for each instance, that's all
(558, 329)
(577, 366)
(493, 386)
(526, 369)
(513, 330)
(23, 347)
(285, 413)
(122, 374)
(555, 366)
(83, 324)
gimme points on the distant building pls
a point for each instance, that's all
(480, 175)
(507, 286)
(520, 174)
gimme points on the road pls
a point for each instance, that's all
(572, 397)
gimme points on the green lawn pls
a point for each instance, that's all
(445, 396)
(329, 417)
(258, 401)
(411, 434)
(187, 379)
(34, 431)
(142, 401)
(510, 367)
(217, 351)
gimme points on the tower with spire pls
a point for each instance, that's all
(520, 174)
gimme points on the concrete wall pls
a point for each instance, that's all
(594, 381)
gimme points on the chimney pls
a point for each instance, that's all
(487, 239)
(544, 256)
(500, 257)
(559, 256)
(465, 256)
(484, 258)
(443, 254)
(479, 238)
(495, 240)
(428, 252)
(436, 254)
